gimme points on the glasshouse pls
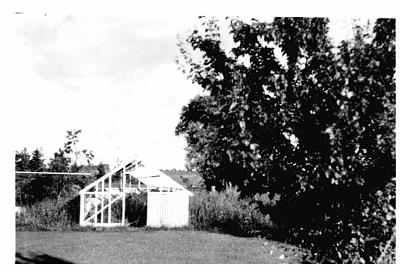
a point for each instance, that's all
(103, 202)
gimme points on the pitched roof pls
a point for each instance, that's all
(156, 178)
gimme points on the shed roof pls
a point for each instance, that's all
(155, 178)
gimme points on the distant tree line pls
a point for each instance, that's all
(30, 189)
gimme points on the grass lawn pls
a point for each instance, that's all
(142, 246)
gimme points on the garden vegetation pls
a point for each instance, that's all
(296, 134)
(287, 114)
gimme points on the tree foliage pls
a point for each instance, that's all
(29, 188)
(101, 168)
(34, 188)
(22, 159)
(313, 126)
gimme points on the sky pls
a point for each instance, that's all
(115, 78)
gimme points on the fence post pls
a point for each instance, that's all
(109, 199)
(96, 203)
(82, 209)
(123, 196)
(102, 201)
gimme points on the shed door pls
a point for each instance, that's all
(170, 209)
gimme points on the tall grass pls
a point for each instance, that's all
(63, 214)
(222, 211)
(50, 215)
(226, 212)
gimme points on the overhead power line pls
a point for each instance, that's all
(53, 173)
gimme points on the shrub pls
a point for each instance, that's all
(372, 236)
(226, 212)
(49, 214)
(318, 131)
(135, 209)
(63, 213)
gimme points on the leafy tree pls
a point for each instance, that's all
(60, 162)
(34, 188)
(77, 159)
(67, 159)
(70, 149)
(29, 188)
(314, 128)
(22, 159)
(36, 163)
(38, 184)
(101, 168)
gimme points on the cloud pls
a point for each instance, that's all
(78, 47)
(114, 78)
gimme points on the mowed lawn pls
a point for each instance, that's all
(149, 247)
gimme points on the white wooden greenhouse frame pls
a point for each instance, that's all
(167, 200)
